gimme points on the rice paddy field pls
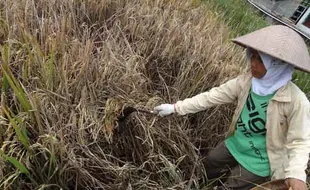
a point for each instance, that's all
(69, 68)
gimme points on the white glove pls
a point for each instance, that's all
(164, 109)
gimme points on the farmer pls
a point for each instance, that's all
(269, 137)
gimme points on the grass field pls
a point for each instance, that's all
(70, 67)
(239, 15)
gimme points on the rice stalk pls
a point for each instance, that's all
(17, 124)
(15, 162)
(14, 84)
(78, 64)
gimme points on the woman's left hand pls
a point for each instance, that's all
(295, 184)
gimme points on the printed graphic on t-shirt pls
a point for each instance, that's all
(255, 124)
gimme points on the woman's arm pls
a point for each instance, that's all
(298, 139)
(226, 93)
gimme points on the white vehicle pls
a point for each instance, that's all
(293, 13)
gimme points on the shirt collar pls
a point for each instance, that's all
(283, 94)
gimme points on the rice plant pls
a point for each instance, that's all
(70, 67)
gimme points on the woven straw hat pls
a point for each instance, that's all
(280, 42)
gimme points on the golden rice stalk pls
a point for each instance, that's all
(113, 108)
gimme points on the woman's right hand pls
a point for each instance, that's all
(165, 109)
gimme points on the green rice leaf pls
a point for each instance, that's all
(15, 162)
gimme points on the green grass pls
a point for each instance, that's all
(239, 15)
(242, 18)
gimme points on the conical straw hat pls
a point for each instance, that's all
(280, 42)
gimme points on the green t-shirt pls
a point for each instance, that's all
(248, 144)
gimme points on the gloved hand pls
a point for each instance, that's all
(164, 109)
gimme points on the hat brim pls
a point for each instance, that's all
(261, 50)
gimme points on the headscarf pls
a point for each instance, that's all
(279, 73)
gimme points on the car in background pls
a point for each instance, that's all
(293, 13)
